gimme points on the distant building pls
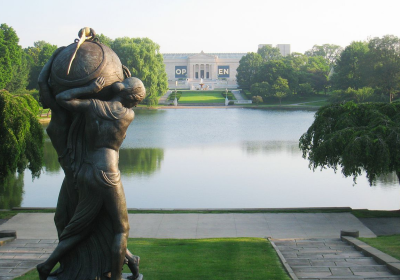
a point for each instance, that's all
(215, 70)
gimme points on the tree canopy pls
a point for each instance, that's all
(10, 53)
(21, 134)
(38, 55)
(355, 138)
(143, 58)
(375, 64)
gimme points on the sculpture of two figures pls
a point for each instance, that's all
(90, 94)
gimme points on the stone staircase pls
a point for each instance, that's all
(323, 259)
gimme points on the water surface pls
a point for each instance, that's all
(219, 158)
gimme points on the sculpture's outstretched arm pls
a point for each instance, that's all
(76, 99)
(46, 96)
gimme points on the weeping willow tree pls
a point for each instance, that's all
(21, 135)
(356, 138)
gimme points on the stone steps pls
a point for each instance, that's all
(325, 259)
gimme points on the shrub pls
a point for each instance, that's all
(257, 99)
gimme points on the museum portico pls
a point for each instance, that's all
(215, 70)
(218, 70)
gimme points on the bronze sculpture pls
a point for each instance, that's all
(90, 116)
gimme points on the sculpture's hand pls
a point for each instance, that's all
(98, 85)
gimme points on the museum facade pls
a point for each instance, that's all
(206, 70)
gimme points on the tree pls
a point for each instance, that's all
(355, 138)
(317, 73)
(269, 53)
(350, 69)
(143, 58)
(20, 75)
(384, 59)
(305, 89)
(38, 55)
(257, 99)
(280, 89)
(247, 70)
(10, 53)
(261, 89)
(21, 135)
(329, 52)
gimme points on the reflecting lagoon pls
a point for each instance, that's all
(216, 158)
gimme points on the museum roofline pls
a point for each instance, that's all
(187, 55)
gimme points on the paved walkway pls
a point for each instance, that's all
(37, 236)
(283, 225)
(237, 95)
(382, 226)
(163, 99)
(21, 255)
(329, 259)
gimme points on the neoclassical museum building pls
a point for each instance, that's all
(213, 70)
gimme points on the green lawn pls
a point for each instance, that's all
(217, 259)
(201, 96)
(387, 244)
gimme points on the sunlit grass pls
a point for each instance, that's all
(201, 97)
(387, 244)
(217, 259)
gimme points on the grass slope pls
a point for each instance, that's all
(201, 97)
(199, 259)
(387, 244)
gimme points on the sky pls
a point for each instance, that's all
(215, 26)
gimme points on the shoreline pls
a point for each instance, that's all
(283, 107)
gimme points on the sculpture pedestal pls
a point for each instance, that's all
(124, 277)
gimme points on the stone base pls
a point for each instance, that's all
(124, 277)
(352, 233)
(8, 233)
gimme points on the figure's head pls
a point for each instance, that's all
(131, 90)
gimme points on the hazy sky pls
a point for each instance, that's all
(208, 25)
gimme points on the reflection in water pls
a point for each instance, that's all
(140, 161)
(50, 158)
(11, 191)
(388, 179)
(221, 158)
(272, 147)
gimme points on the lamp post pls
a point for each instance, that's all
(226, 97)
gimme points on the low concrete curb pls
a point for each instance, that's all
(380, 257)
(4, 240)
(283, 261)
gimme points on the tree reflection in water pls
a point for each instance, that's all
(11, 191)
(50, 158)
(143, 161)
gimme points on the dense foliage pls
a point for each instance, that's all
(143, 58)
(374, 64)
(268, 74)
(10, 54)
(11, 190)
(38, 55)
(21, 134)
(355, 138)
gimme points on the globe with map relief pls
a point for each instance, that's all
(92, 60)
